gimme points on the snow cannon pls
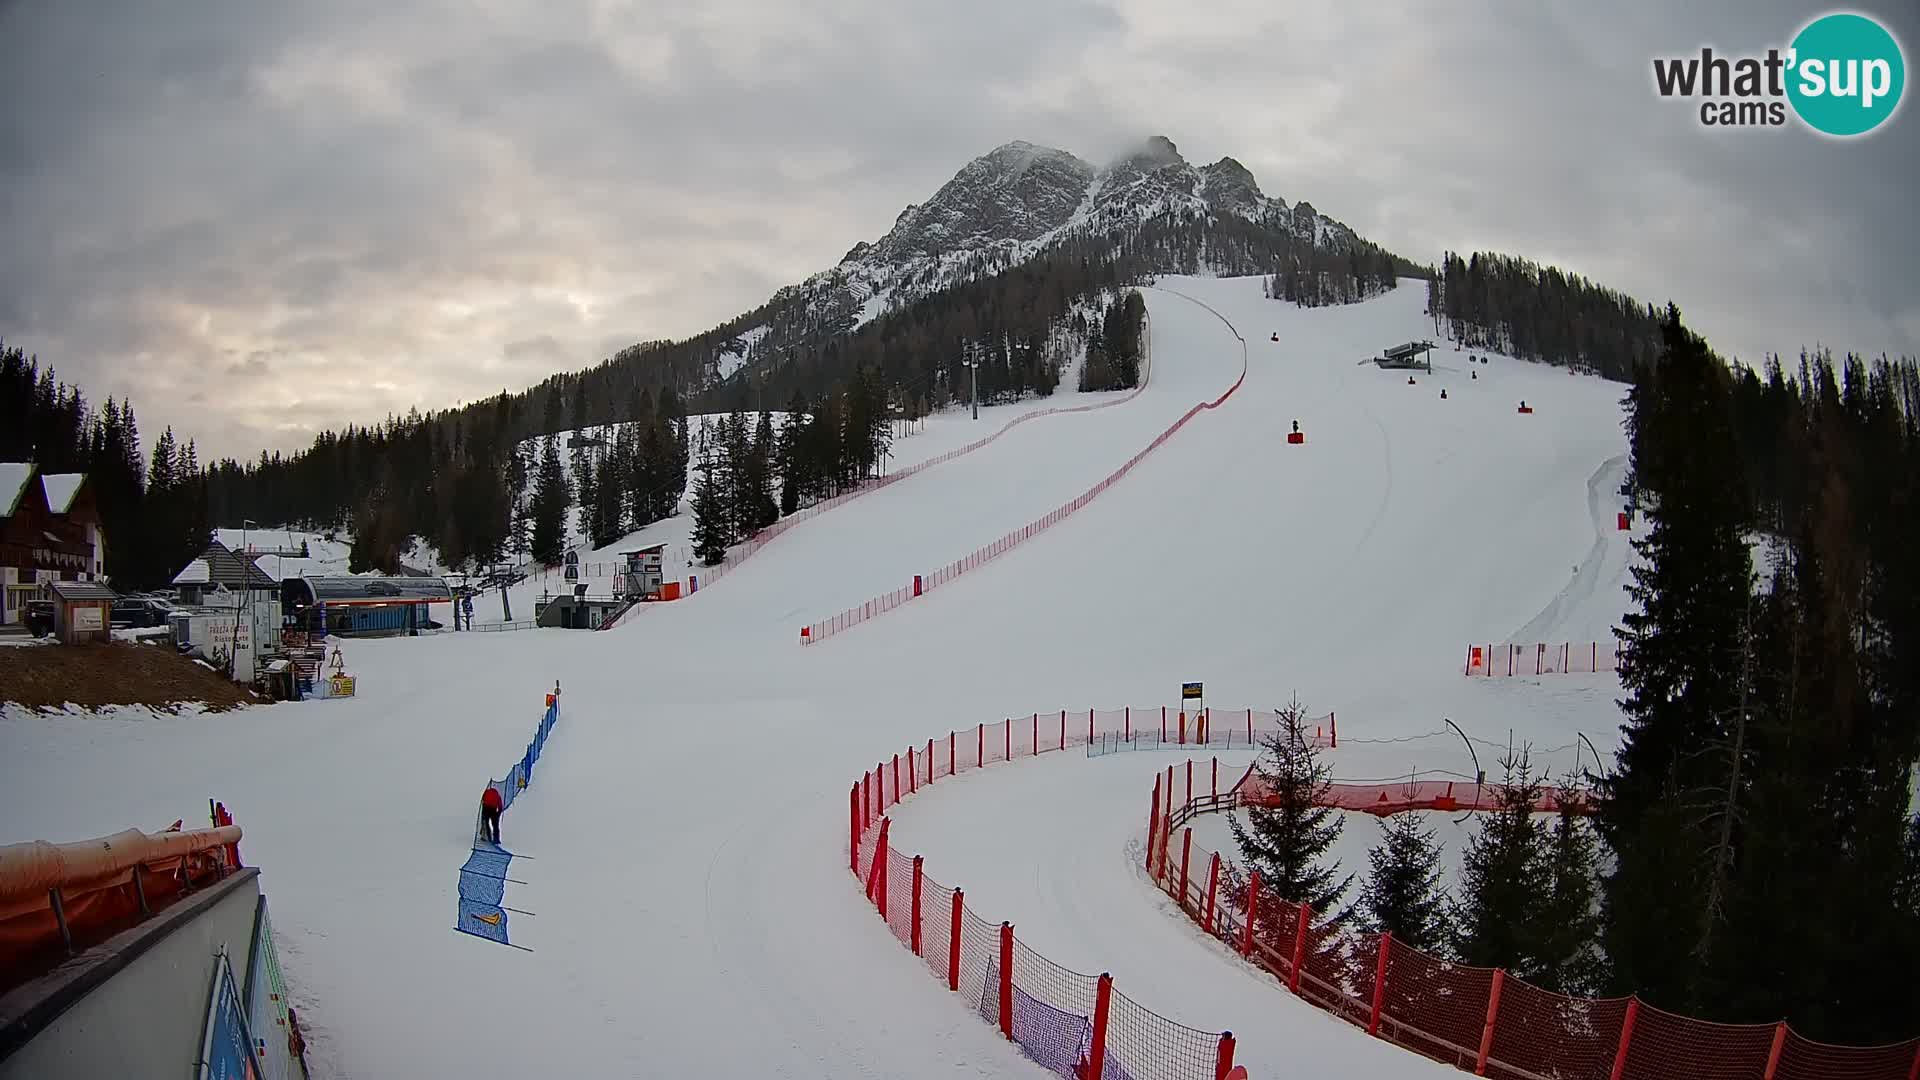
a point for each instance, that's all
(1296, 437)
(1409, 380)
(1443, 393)
(1483, 359)
(1526, 409)
(1276, 336)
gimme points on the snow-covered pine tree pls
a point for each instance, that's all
(1403, 894)
(711, 532)
(1288, 840)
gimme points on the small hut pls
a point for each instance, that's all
(82, 611)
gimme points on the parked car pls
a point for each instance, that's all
(140, 611)
(40, 617)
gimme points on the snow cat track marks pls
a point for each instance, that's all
(1587, 578)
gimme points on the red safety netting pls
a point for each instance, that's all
(1048, 1010)
(880, 605)
(1452, 1013)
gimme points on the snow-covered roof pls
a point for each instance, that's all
(61, 488)
(13, 480)
(282, 567)
(196, 572)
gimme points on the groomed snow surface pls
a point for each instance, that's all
(685, 834)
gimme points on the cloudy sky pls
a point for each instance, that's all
(259, 219)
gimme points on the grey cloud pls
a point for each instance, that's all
(413, 205)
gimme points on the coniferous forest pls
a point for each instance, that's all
(1756, 852)
(1546, 314)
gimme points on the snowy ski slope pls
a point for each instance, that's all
(686, 839)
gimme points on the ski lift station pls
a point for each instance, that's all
(1409, 355)
(363, 605)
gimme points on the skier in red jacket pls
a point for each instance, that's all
(490, 812)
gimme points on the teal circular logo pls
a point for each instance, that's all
(1846, 74)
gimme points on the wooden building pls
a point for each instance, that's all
(49, 531)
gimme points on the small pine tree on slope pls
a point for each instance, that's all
(1503, 880)
(1403, 895)
(1287, 841)
(1569, 923)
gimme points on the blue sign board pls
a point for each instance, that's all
(226, 1053)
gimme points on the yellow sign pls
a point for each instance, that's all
(341, 685)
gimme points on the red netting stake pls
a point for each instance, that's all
(1183, 727)
(1249, 729)
(1009, 737)
(1063, 729)
(1299, 946)
(1186, 856)
(1006, 979)
(916, 904)
(1253, 912)
(1223, 1064)
(1914, 1073)
(867, 808)
(1380, 982)
(1102, 1001)
(953, 940)
(1089, 727)
(896, 778)
(1036, 734)
(1493, 1013)
(1163, 724)
(951, 763)
(876, 881)
(853, 829)
(913, 774)
(1773, 1055)
(930, 765)
(1213, 889)
(1153, 823)
(1626, 1040)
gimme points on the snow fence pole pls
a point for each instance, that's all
(896, 779)
(1089, 727)
(953, 940)
(1773, 1055)
(1253, 912)
(1063, 729)
(1036, 734)
(1299, 946)
(1216, 778)
(1380, 982)
(1102, 1002)
(1163, 725)
(1006, 979)
(1153, 823)
(1626, 1040)
(853, 830)
(916, 904)
(1008, 736)
(1126, 723)
(1223, 1063)
(913, 774)
(1189, 804)
(1213, 891)
(980, 751)
(1493, 1015)
(1333, 725)
(1186, 856)
(952, 765)
(1183, 727)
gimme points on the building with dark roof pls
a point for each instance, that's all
(349, 605)
(49, 531)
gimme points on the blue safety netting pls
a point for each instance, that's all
(1056, 1039)
(483, 879)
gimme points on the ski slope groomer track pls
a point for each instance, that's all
(692, 921)
(923, 583)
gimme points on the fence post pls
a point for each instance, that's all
(1036, 734)
(875, 882)
(1253, 912)
(1153, 823)
(1163, 725)
(1333, 726)
(1089, 727)
(1213, 888)
(953, 939)
(1216, 778)
(1006, 979)
(951, 764)
(1493, 1013)
(1063, 729)
(896, 779)
(1189, 802)
(1009, 739)
(1914, 1073)
(1626, 1040)
(980, 752)
(1102, 1001)
(1380, 981)
(1183, 727)
(853, 830)
(1186, 854)
(1223, 1064)
(916, 904)
(1126, 724)
(913, 774)
(1300, 946)
(1773, 1055)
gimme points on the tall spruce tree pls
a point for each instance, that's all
(711, 517)
(1680, 663)
(1403, 894)
(551, 499)
(1288, 834)
(1568, 928)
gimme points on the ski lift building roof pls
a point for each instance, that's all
(1410, 350)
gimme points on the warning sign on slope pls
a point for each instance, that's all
(1189, 691)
